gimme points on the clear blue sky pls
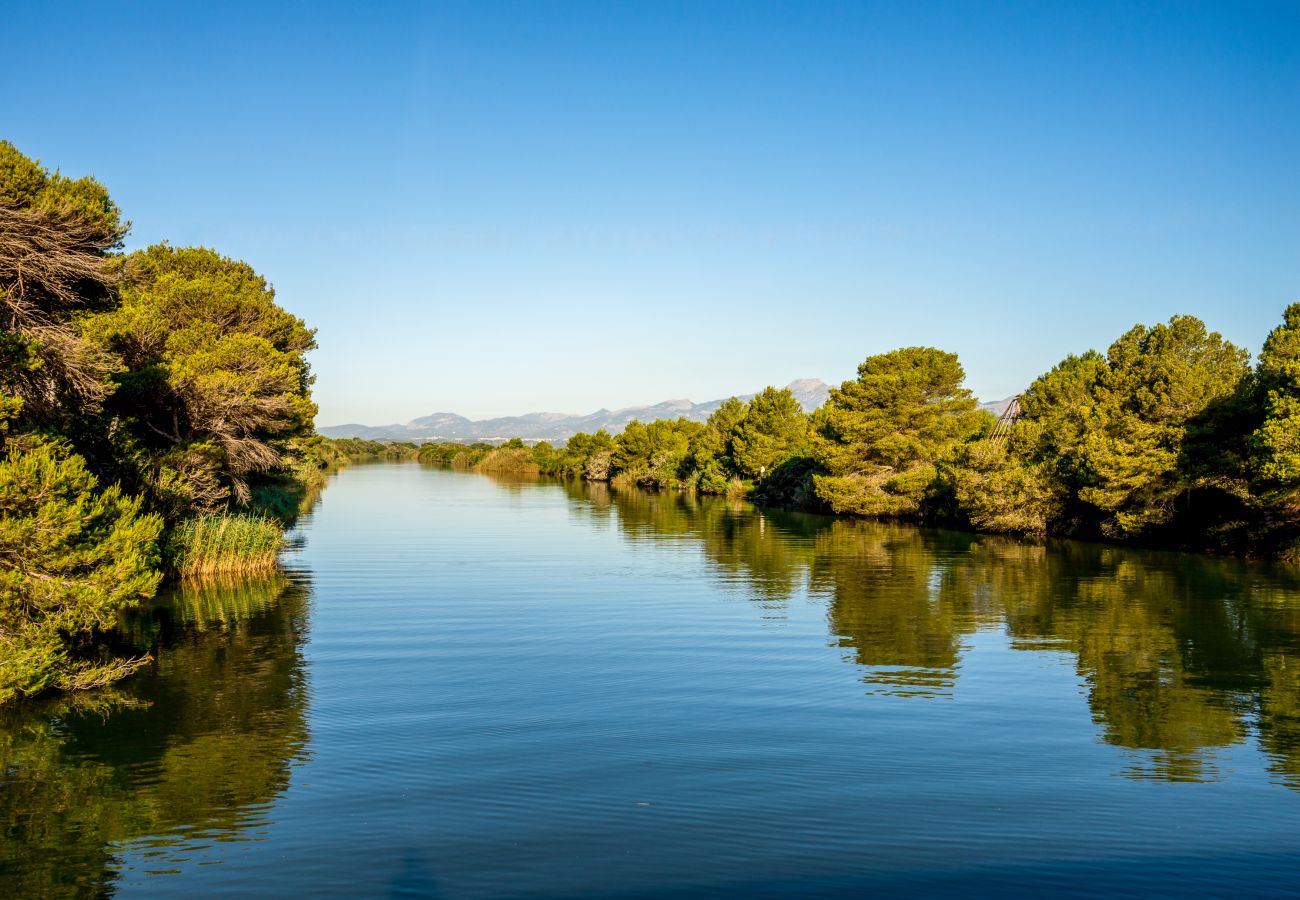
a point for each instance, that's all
(498, 208)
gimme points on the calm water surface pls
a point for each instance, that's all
(475, 688)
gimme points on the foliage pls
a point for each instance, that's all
(510, 460)
(1277, 441)
(774, 428)
(135, 393)
(72, 556)
(714, 445)
(224, 544)
(26, 185)
(653, 454)
(1155, 384)
(999, 492)
(883, 437)
(216, 381)
(55, 233)
(334, 452)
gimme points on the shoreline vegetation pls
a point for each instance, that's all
(156, 422)
(1170, 439)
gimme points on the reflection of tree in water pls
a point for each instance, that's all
(766, 551)
(1151, 637)
(899, 600)
(1182, 655)
(193, 748)
(1276, 620)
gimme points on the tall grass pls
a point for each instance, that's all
(224, 544)
(509, 461)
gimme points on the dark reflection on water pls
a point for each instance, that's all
(528, 688)
(192, 751)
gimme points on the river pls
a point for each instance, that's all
(468, 687)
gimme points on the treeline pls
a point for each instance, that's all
(155, 417)
(336, 452)
(1170, 438)
(739, 443)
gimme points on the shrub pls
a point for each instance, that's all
(72, 557)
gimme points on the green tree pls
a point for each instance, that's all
(1027, 484)
(883, 436)
(217, 385)
(1157, 382)
(28, 186)
(55, 233)
(773, 429)
(714, 441)
(1277, 441)
(72, 556)
(1000, 491)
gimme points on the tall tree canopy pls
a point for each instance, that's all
(54, 236)
(1156, 383)
(1277, 441)
(773, 429)
(216, 376)
(882, 437)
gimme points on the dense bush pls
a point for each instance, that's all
(73, 555)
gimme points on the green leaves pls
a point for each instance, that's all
(211, 360)
(1155, 384)
(24, 184)
(1276, 443)
(72, 556)
(883, 437)
(774, 428)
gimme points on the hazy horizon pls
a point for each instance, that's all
(492, 209)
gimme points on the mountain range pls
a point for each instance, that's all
(548, 426)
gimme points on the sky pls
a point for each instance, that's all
(494, 209)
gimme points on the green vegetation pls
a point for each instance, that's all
(882, 438)
(149, 402)
(156, 416)
(224, 544)
(337, 452)
(72, 557)
(1168, 439)
(739, 443)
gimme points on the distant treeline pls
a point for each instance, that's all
(334, 452)
(1170, 438)
(155, 418)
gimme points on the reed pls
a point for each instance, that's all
(737, 489)
(225, 544)
(510, 460)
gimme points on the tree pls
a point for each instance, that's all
(54, 236)
(653, 454)
(72, 556)
(773, 429)
(216, 383)
(1157, 382)
(883, 436)
(1276, 443)
(1025, 484)
(1002, 493)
